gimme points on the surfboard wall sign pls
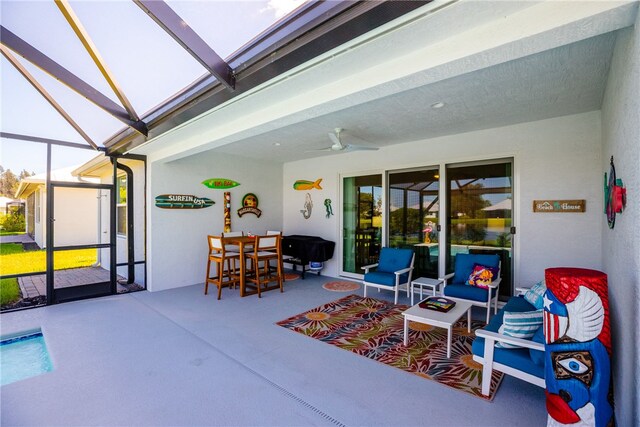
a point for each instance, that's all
(220, 183)
(182, 201)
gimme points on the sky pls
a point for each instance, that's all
(146, 62)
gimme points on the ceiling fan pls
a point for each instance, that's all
(338, 145)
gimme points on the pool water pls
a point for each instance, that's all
(23, 357)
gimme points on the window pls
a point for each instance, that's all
(121, 205)
(37, 206)
(362, 221)
(479, 206)
(413, 204)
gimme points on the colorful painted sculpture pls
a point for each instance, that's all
(227, 212)
(578, 348)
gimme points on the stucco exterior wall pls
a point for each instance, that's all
(177, 246)
(75, 213)
(139, 201)
(621, 246)
(76, 216)
(553, 159)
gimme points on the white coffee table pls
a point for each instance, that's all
(437, 318)
(422, 282)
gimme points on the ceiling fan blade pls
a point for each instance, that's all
(319, 149)
(351, 147)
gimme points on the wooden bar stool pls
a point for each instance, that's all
(266, 249)
(282, 256)
(224, 276)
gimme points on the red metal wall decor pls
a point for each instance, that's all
(615, 195)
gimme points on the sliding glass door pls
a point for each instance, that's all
(413, 200)
(479, 209)
(361, 221)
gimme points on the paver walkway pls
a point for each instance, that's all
(34, 286)
(17, 238)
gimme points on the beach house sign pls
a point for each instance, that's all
(563, 206)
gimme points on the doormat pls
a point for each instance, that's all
(374, 329)
(341, 286)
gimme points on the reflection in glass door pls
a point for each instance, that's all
(362, 222)
(413, 217)
(479, 208)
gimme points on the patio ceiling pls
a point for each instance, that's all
(559, 68)
(489, 67)
(562, 81)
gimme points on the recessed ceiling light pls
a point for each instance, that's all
(437, 105)
(276, 144)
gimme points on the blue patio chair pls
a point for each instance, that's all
(456, 286)
(394, 269)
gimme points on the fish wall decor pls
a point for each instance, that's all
(308, 206)
(220, 183)
(303, 185)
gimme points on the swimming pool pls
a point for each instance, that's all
(23, 356)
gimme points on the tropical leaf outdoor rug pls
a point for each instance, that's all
(374, 329)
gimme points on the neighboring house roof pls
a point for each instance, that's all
(29, 184)
(96, 167)
(500, 206)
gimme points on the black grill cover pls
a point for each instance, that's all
(307, 248)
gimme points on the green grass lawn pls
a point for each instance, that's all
(9, 291)
(13, 260)
(10, 233)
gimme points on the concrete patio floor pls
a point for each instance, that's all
(179, 357)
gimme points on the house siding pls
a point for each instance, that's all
(621, 246)
(177, 244)
(553, 159)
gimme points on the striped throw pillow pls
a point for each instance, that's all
(535, 295)
(521, 325)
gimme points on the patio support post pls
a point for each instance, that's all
(49, 230)
(131, 272)
(112, 231)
